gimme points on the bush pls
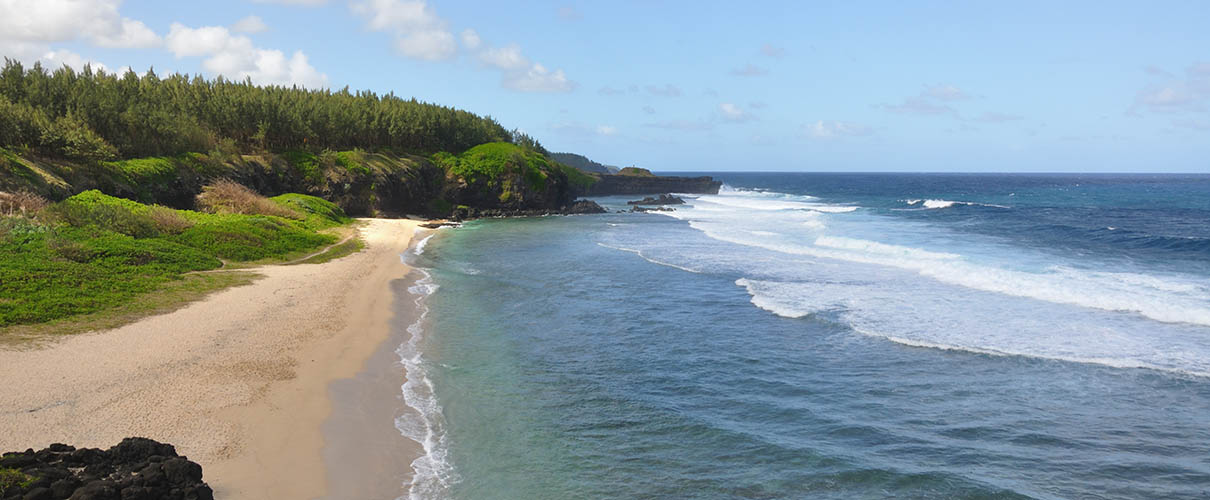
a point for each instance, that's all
(169, 221)
(96, 210)
(319, 212)
(22, 203)
(229, 197)
(71, 138)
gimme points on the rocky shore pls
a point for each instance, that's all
(135, 469)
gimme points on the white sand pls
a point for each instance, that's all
(238, 382)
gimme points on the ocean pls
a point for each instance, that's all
(824, 336)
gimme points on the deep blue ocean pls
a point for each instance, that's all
(824, 336)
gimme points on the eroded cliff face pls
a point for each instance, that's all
(626, 184)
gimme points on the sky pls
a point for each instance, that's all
(972, 86)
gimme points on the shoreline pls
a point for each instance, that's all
(240, 382)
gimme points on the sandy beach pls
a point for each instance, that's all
(241, 382)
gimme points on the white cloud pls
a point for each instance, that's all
(31, 25)
(733, 113)
(750, 70)
(537, 79)
(250, 24)
(432, 45)
(607, 130)
(59, 58)
(575, 128)
(419, 32)
(1177, 95)
(668, 90)
(823, 129)
(506, 58)
(235, 57)
(649, 110)
(945, 93)
(470, 39)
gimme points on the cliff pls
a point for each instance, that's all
(498, 177)
(631, 184)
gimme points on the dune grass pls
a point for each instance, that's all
(104, 260)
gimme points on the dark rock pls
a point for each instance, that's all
(584, 207)
(39, 494)
(663, 199)
(135, 469)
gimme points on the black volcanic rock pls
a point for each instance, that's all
(135, 469)
(585, 207)
(663, 199)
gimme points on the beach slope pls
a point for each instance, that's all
(239, 382)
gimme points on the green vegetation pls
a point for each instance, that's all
(93, 115)
(94, 252)
(494, 163)
(636, 172)
(13, 477)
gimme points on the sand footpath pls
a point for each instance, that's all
(239, 382)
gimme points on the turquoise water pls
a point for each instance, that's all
(825, 336)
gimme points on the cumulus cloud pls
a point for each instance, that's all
(419, 32)
(1188, 94)
(250, 24)
(28, 27)
(538, 79)
(750, 70)
(506, 58)
(470, 39)
(607, 130)
(668, 90)
(824, 129)
(733, 113)
(235, 57)
(62, 57)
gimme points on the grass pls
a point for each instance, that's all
(95, 254)
(168, 297)
(13, 477)
(346, 248)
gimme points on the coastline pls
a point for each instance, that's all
(240, 382)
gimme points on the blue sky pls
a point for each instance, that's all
(807, 86)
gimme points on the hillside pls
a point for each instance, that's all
(583, 163)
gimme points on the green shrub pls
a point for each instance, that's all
(72, 138)
(307, 165)
(96, 210)
(14, 478)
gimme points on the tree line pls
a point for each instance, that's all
(93, 115)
